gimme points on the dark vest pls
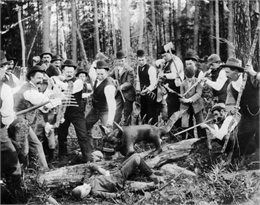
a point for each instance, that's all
(144, 76)
(171, 82)
(76, 98)
(19, 102)
(222, 93)
(99, 101)
(249, 104)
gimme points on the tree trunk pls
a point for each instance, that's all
(211, 19)
(74, 31)
(96, 27)
(196, 27)
(125, 27)
(113, 26)
(45, 26)
(231, 51)
(57, 27)
(217, 25)
(141, 24)
(178, 15)
(21, 35)
(153, 42)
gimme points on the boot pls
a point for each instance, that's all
(50, 158)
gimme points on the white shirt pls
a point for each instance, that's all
(77, 85)
(152, 72)
(7, 111)
(221, 80)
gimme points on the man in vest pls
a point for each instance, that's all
(248, 127)
(50, 69)
(73, 113)
(124, 78)
(219, 80)
(146, 85)
(27, 97)
(173, 75)
(103, 99)
(10, 166)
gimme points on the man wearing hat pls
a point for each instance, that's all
(192, 59)
(173, 75)
(219, 80)
(50, 69)
(92, 71)
(74, 113)
(103, 100)
(124, 77)
(248, 126)
(57, 61)
(27, 97)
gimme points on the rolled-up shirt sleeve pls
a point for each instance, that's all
(152, 77)
(221, 80)
(111, 102)
(7, 109)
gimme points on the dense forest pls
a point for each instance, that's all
(225, 27)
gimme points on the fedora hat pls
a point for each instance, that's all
(191, 56)
(56, 58)
(68, 63)
(140, 53)
(213, 58)
(3, 60)
(120, 55)
(102, 65)
(81, 71)
(233, 63)
(34, 69)
(46, 53)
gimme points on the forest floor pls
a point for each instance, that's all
(208, 187)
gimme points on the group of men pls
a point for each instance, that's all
(164, 88)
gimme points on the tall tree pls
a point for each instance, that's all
(196, 27)
(21, 34)
(125, 27)
(74, 31)
(141, 24)
(45, 26)
(231, 51)
(113, 25)
(96, 27)
(211, 19)
(217, 25)
(154, 45)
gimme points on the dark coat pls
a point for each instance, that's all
(126, 80)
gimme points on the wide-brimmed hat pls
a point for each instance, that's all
(102, 65)
(79, 71)
(68, 63)
(191, 56)
(213, 58)
(34, 69)
(3, 60)
(140, 53)
(56, 58)
(233, 63)
(120, 55)
(162, 51)
(218, 106)
(46, 53)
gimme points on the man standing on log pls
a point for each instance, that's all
(73, 112)
(146, 85)
(124, 78)
(103, 100)
(248, 127)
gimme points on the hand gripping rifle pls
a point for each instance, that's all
(237, 118)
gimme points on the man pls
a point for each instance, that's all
(192, 59)
(172, 76)
(103, 99)
(27, 97)
(107, 185)
(146, 85)
(219, 80)
(124, 78)
(50, 69)
(57, 62)
(73, 113)
(10, 166)
(92, 71)
(248, 126)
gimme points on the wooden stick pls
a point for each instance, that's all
(21, 35)
(190, 128)
(31, 108)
